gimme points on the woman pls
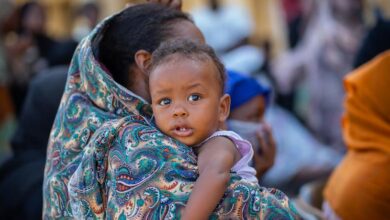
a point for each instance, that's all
(105, 157)
(359, 187)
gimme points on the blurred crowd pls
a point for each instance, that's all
(303, 86)
(27, 51)
(33, 68)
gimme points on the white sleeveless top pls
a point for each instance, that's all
(242, 167)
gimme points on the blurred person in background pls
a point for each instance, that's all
(249, 100)
(359, 187)
(227, 28)
(5, 10)
(6, 107)
(29, 49)
(296, 155)
(87, 16)
(316, 66)
(21, 175)
(297, 15)
(38, 65)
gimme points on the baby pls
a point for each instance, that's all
(186, 84)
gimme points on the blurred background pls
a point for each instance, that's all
(301, 49)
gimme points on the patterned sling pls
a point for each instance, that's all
(106, 160)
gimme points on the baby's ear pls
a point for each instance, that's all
(142, 60)
(224, 107)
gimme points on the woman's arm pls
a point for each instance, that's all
(216, 157)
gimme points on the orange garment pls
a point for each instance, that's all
(359, 188)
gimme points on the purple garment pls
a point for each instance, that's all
(242, 167)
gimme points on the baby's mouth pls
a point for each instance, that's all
(182, 131)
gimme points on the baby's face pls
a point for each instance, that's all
(186, 99)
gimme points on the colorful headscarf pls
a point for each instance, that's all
(106, 160)
(243, 88)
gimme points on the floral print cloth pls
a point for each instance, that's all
(106, 160)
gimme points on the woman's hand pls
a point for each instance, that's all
(264, 158)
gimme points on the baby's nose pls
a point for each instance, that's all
(180, 112)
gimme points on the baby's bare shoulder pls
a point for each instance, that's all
(220, 146)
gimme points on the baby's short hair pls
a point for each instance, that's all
(190, 50)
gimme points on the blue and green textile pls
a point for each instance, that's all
(106, 160)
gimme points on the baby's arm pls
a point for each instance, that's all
(215, 159)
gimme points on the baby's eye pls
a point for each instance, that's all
(165, 101)
(193, 98)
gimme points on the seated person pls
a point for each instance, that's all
(359, 187)
(251, 113)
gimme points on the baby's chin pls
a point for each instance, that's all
(190, 139)
(190, 143)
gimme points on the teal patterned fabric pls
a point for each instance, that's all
(106, 160)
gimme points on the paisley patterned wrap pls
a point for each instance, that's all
(106, 160)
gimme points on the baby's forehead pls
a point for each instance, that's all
(197, 60)
(200, 58)
(175, 60)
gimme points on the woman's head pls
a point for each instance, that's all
(249, 97)
(31, 18)
(131, 36)
(348, 10)
(187, 89)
